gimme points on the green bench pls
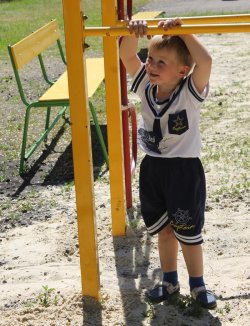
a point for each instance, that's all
(56, 95)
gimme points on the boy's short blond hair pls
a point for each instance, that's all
(173, 43)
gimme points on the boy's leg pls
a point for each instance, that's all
(194, 261)
(168, 250)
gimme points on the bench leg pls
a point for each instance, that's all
(26, 154)
(24, 141)
(47, 122)
(99, 133)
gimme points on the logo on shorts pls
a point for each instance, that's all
(182, 216)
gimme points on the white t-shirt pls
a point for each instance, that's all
(179, 124)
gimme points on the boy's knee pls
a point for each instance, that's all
(166, 232)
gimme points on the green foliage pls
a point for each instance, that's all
(68, 186)
(47, 297)
(186, 305)
(230, 150)
(224, 310)
(150, 312)
(20, 18)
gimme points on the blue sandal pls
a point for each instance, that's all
(162, 292)
(204, 297)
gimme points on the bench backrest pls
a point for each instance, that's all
(31, 46)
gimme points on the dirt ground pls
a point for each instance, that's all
(39, 255)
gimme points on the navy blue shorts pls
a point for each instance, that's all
(173, 191)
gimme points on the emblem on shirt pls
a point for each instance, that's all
(178, 123)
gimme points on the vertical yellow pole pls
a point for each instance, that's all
(113, 104)
(83, 170)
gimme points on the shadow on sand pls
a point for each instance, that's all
(45, 171)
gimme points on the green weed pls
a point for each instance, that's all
(187, 305)
(25, 207)
(224, 310)
(14, 217)
(150, 311)
(135, 223)
(6, 205)
(47, 296)
(67, 187)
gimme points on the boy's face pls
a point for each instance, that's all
(162, 66)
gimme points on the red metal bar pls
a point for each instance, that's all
(134, 138)
(125, 124)
(129, 9)
(132, 109)
(126, 144)
(120, 9)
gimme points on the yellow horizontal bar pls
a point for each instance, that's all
(240, 18)
(184, 29)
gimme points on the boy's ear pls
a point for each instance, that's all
(184, 70)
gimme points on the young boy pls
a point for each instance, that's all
(172, 85)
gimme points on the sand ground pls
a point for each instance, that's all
(46, 252)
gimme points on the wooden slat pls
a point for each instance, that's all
(57, 92)
(95, 75)
(147, 14)
(29, 47)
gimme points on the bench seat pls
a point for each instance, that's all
(147, 14)
(59, 91)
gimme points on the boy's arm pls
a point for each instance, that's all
(129, 44)
(128, 54)
(202, 59)
(200, 55)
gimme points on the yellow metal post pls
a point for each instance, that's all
(81, 143)
(113, 105)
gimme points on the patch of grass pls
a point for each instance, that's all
(224, 310)
(67, 187)
(47, 296)
(224, 152)
(186, 305)
(26, 206)
(98, 101)
(135, 223)
(5, 205)
(14, 217)
(20, 17)
(14, 209)
(150, 311)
